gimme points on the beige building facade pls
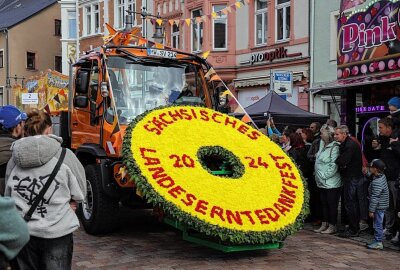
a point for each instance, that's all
(28, 48)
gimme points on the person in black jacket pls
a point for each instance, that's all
(350, 167)
(390, 155)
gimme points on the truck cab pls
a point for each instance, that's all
(112, 86)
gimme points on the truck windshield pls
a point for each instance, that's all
(142, 86)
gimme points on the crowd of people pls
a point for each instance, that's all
(36, 227)
(337, 170)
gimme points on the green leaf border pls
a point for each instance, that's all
(227, 235)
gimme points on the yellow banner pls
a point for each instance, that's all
(49, 92)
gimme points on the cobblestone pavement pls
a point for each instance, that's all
(143, 243)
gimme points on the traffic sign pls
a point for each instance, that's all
(283, 82)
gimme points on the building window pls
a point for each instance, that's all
(261, 22)
(31, 60)
(88, 20)
(197, 32)
(121, 7)
(175, 36)
(220, 28)
(282, 20)
(92, 19)
(1, 59)
(71, 24)
(57, 28)
(58, 63)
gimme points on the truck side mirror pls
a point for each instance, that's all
(81, 101)
(82, 82)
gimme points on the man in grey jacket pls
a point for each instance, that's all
(53, 221)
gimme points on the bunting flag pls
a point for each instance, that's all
(205, 54)
(226, 93)
(215, 77)
(214, 15)
(228, 8)
(47, 108)
(246, 118)
(57, 98)
(171, 22)
(234, 7)
(188, 21)
(177, 22)
(225, 11)
(209, 73)
(238, 4)
(159, 22)
(159, 45)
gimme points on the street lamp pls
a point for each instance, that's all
(158, 33)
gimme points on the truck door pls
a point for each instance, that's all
(84, 122)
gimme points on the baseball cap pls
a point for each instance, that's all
(11, 116)
(378, 164)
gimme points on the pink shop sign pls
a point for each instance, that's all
(369, 41)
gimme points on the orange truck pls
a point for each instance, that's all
(111, 86)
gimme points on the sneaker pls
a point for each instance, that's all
(363, 226)
(330, 230)
(324, 226)
(348, 234)
(395, 239)
(375, 245)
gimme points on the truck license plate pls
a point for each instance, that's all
(161, 53)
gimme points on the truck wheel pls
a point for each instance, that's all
(98, 212)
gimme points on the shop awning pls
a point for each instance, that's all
(262, 80)
(352, 82)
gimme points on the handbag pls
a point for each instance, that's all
(39, 197)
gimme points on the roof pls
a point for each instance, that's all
(13, 12)
(283, 111)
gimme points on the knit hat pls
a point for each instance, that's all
(11, 116)
(394, 101)
(378, 164)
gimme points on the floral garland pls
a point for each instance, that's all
(265, 198)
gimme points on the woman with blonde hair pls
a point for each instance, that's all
(328, 179)
(39, 162)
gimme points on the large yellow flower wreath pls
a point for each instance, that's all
(166, 152)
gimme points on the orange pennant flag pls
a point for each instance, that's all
(159, 46)
(228, 8)
(225, 11)
(188, 21)
(142, 41)
(171, 22)
(216, 77)
(210, 72)
(246, 119)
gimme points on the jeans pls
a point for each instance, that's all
(378, 225)
(330, 203)
(47, 254)
(391, 211)
(352, 192)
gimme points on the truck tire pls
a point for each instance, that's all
(98, 213)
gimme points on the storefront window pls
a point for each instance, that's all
(197, 32)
